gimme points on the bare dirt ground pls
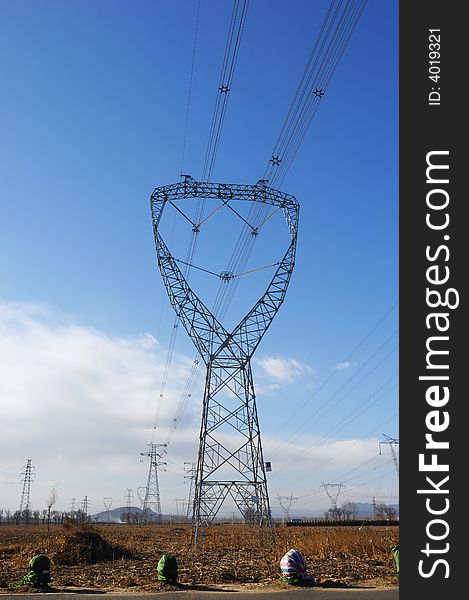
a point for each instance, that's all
(124, 557)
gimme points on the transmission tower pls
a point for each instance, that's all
(333, 491)
(392, 443)
(27, 478)
(230, 460)
(107, 505)
(128, 498)
(179, 502)
(151, 502)
(84, 506)
(190, 468)
(286, 502)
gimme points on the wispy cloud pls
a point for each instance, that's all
(74, 396)
(345, 365)
(81, 404)
(285, 370)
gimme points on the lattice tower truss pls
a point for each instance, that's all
(27, 478)
(151, 505)
(230, 460)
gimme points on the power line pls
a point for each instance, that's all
(230, 59)
(190, 87)
(334, 431)
(235, 31)
(321, 407)
(321, 465)
(334, 50)
(335, 371)
(335, 33)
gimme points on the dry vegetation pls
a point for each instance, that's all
(113, 557)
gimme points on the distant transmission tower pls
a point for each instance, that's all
(151, 502)
(107, 505)
(190, 468)
(85, 503)
(128, 497)
(333, 491)
(286, 502)
(230, 461)
(27, 478)
(182, 502)
(392, 442)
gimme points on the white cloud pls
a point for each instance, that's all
(285, 370)
(269, 389)
(302, 466)
(81, 404)
(345, 365)
(77, 401)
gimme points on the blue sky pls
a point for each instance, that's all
(93, 114)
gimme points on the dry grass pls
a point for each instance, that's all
(112, 557)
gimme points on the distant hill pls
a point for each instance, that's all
(115, 515)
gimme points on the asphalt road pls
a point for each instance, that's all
(314, 593)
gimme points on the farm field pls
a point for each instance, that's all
(125, 557)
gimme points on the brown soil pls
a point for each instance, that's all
(124, 557)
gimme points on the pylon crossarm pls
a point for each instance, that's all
(189, 188)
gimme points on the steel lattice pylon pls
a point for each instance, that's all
(392, 442)
(28, 474)
(151, 501)
(227, 468)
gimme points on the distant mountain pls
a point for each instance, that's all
(115, 515)
(365, 509)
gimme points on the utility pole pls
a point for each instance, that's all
(151, 501)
